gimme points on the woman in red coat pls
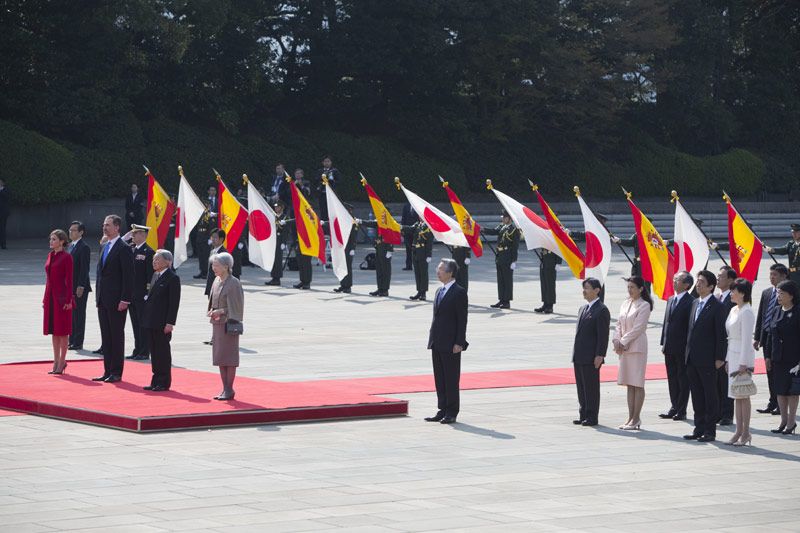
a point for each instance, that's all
(58, 299)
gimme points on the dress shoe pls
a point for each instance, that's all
(275, 282)
(768, 409)
(346, 290)
(539, 309)
(132, 356)
(497, 305)
(448, 420)
(668, 414)
(337, 289)
(692, 436)
(200, 276)
(436, 418)
(104, 377)
(305, 287)
(679, 417)
(415, 297)
(148, 387)
(706, 438)
(725, 422)
(776, 411)
(589, 423)
(505, 305)
(779, 429)
(141, 357)
(577, 421)
(76, 347)
(408, 268)
(375, 293)
(224, 398)
(548, 311)
(422, 297)
(112, 379)
(744, 441)
(98, 351)
(159, 388)
(384, 294)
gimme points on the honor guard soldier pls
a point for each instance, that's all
(346, 285)
(142, 274)
(547, 280)
(505, 260)
(204, 227)
(636, 264)
(281, 231)
(423, 249)
(792, 250)
(462, 255)
(332, 175)
(383, 260)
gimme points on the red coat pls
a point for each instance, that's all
(57, 292)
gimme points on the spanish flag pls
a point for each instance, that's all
(471, 229)
(388, 228)
(657, 264)
(159, 212)
(745, 246)
(232, 215)
(569, 250)
(309, 229)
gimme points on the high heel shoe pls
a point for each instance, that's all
(779, 429)
(632, 427)
(790, 431)
(744, 441)
(733, 440)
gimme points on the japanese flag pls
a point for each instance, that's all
(598, 245)
(691, 247)
(534, 228)
(444, 228)
(263, 238)
(190, 209)
(340, 223)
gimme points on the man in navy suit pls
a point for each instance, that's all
(446, 340)
(673, 344)
(81, 256)
(589, 351)
(705, 354)
(158, 319)
(113, 292)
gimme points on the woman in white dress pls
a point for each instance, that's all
(630, 343)
(741, 356)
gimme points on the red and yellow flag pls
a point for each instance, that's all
(309, 229)
(471, 229)
(657, 263)
(745, 246)
(232, 215)
(159, 212)
(569, 250)
(388, 228)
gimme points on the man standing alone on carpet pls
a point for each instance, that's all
(446, 340)
(158, 319)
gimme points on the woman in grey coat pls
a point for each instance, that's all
(225, 306)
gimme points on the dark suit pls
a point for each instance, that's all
(5, 210)
(706, 344)
(449, 327)
(114, 284)
(135, 206)
(591, 340)
(762, 335)
(160, 309)
(142, 273)
(674, 333)
(725, 403)
(81, 256)
(785, 348)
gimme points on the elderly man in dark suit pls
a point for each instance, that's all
(446, 340)
(158, 319)
(674, 332)
(113, 293)
(589, 351)
(81, 256)
(705, 353)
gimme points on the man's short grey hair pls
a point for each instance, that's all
(225, 259)
(450, 265)
(686, 277)
(166, 255)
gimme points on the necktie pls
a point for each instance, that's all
(439, 296)
(106, 248)
(672, 305)
(771, 307)
(699, 309)
(71, 247)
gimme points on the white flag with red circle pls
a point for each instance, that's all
(190, 210)
(691, 246)
(261, 223)
(340, 222)
(443, 228)
(598, 245)
(533, 227)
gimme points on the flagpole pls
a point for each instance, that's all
(676, 198)
(490, 187)
(764, 246)
(577, 191)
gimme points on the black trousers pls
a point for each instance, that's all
(766, 349)
(140, 346)
(79, 320)
(112, 332)
(725, 403)
(347, 281)
(383, 271)
(421, 274)
(160, 356)
(408, 240)
(705, 400)
(505, 282)
(678, 382)
(304, 266)
(202, 250)
(3, 220)
(447, 374)
(277, 265)
(587, 381)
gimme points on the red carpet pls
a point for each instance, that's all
(28, 388)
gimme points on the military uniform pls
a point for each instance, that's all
(462, 255)
(281, 230)
(204, 227)
(792, 250)
(304, 271)
(507, 247)
(383, 261)
(423, 249)
(636, 267)
(346, 284)
(142, 274)
(547, 280)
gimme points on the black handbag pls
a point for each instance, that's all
(794, 390)
(234, 327)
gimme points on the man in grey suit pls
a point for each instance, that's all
(81, 255)
(589, 351)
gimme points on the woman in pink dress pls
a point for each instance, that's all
(630, 343)
(58, 299)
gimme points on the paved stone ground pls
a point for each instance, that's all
(514, 462)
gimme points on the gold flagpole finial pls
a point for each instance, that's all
(363, 179)
(726, 197)
(287, 177)
(444, 183)
(245, 179)
(397, 183)
(534, 187)
(146, 170)
(180, 171)
(489, 185)
(674, 197)
(214, 170)
(628, 195)
(325, 179)
(576, 190)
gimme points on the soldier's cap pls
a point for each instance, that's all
(347, 206)
(504, 214)
(601, 217)
(795, 227)
(278, 203)
(697, 221)
(137, 227)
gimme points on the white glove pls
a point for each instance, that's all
(615, 240)
(209, 242)
(212, 214)
(427, 259)
(388, 255)
(466, 260)
(713, 245)
(281, 223)
(240, 246)
(795, 370)
(357, 220)
(283, 246)
(514, 265)
(352, 253)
